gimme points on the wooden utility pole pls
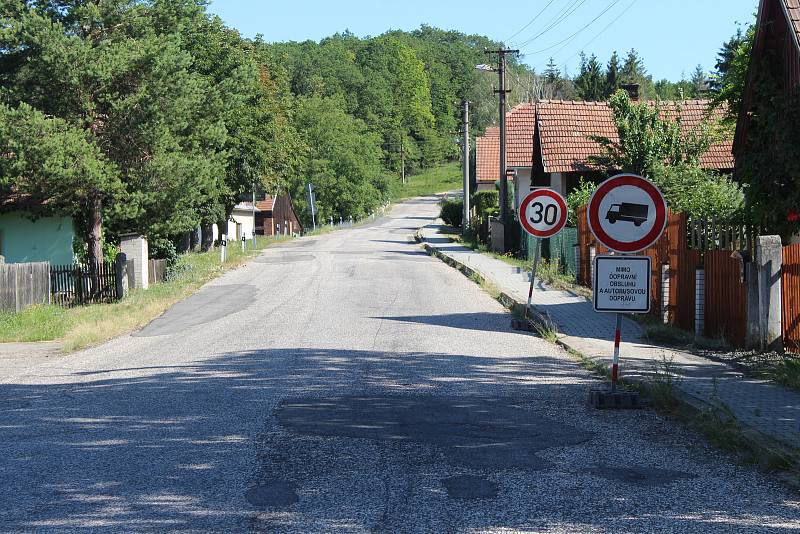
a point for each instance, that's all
(465, 164)
(502, 91)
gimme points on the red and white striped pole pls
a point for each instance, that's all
(615, 363)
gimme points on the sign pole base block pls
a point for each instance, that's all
(619, 400)
(526, 325)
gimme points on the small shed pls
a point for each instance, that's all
(276, 216)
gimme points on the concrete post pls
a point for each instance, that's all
(665, 293)
(699, 302)
(769, 260)
(752, 337)
(134, 246)
(121, 275)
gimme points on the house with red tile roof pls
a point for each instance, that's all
(549, 143)
(563, 144)
(487, 158)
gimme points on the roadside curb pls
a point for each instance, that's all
(690, 405)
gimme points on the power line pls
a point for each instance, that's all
(508, 40)
(557, 20)
(572, 37)
(593, 39)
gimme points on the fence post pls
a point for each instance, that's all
(699, 301)
(120, 275)
(769, 260)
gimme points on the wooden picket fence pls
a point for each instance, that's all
(790, 307)
(686, 246)
(78, 284)
(23, 285)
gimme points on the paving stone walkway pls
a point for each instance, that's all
(761, 405)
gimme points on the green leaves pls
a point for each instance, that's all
(649, 135)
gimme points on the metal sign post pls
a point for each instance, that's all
(542, 214)
(537, 254)
(626, 214)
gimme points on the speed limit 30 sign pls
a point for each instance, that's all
(543, 213)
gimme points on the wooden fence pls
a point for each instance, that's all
(156, 271)
(790, 308)
(23, 285)
(726, 298)
(79, 284)
(687, 245)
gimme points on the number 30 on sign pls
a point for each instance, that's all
(543, 213)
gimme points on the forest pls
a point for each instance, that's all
(153, 116)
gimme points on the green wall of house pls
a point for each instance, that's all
(47, 239)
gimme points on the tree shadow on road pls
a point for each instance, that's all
(161, 447)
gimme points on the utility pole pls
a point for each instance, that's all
(254, 216)
(402, 161)
(501, 71)
(311, 203)
(465, 163)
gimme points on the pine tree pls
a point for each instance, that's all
(590, 82)
(633, 70)
(699, 82)
(612, 75)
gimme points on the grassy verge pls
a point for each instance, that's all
(88, 325)
(547, 271)
(446, 177)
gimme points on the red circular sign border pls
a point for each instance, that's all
(593, 217)
(523, 207)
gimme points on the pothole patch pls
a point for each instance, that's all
(470, 487)
(273, 494)
(480, 432)
(640, 476)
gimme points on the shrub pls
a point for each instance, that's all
(161, 248)
(452, 212)
(579, 197)
(486, 203)
(698, 192)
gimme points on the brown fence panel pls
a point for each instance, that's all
(157, 271)
(726, 298)
(23, 285)
(791, 298)
(683, 263)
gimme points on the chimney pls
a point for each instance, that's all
(632, 89)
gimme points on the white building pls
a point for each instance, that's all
(242, 222)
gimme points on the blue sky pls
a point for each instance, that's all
(672, 36)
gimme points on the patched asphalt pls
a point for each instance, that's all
(350, 383)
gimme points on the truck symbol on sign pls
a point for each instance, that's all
(635, 213)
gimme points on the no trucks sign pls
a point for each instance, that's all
(622, 284)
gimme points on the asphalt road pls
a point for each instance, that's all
(350, 383)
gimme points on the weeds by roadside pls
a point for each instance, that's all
(546, 328)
